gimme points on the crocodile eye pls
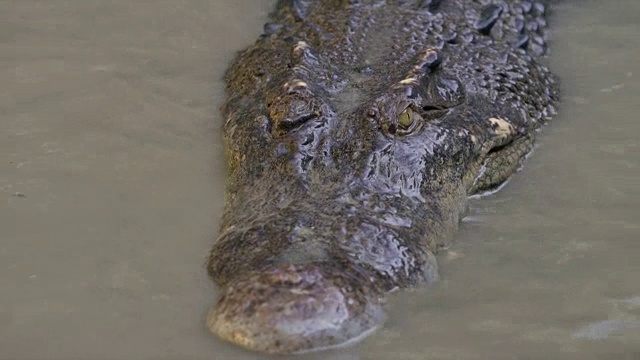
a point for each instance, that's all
(408, 120)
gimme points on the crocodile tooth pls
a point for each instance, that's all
(502, 130)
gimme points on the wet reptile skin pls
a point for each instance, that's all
(355, 132)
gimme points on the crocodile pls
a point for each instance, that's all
(355, 132)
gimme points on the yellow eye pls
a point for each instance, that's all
(407, 120)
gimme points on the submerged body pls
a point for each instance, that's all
(355, 132)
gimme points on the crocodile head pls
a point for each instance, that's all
(348, 171)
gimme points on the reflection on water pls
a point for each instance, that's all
(112, 175)
(605, 329)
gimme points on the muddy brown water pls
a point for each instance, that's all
(112, 176)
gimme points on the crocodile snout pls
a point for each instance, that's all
(293, 308)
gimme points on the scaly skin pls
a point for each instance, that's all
(355, 132)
